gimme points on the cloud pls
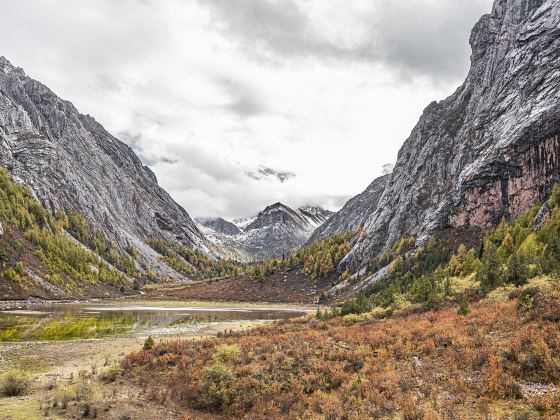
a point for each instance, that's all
(106, 82)
(417, 38)
(227, 100)
(138, 143)
(244, 100)
(387, 168)
(267, 173)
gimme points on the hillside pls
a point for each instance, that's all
(73, 164)
(40, 259)
(354, 213)
(499, 360)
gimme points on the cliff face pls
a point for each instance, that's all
(354, 213)
(491, 149)
(71, 162)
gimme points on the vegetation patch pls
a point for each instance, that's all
(194, 262)
(32, 230)
(510, 255)
(14, 383)
(65, 328)
(437, 364)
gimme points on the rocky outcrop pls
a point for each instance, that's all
(274, 232)
(354, 213)
(71, 162)
(490, 150)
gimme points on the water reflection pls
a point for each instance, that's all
(71, 321)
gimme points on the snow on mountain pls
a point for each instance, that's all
(275, 232)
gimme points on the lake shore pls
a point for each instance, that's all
(54, 363)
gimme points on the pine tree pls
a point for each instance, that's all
(489, 276)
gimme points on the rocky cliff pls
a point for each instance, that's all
(71, 162)
(354, 213)
(274, 232)
(491, 149)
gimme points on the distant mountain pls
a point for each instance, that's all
(219, 225)
(275, 231)
(72, 163)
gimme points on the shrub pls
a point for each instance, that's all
(355, 318)
(501, 294)
(540, 298)
(226, 353)
(64, 395)
(19, 267)
(464, 308)
(526, 299)
(217, 386)
(14, 382)
(11, 275)
(111, 374)
(148, 343)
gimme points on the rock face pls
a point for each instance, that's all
(274, 232)
(490, 150)
(71, 162)
(354, 213)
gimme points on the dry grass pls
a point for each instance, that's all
(499, 360)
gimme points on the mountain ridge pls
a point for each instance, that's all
(274, 232)
(73, 164)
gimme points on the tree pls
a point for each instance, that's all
(148, 343)
(517, 271)
(464, 308)
(554, 199)
(489, 275)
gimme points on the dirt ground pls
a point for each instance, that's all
(291, 287)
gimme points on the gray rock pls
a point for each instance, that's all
(491, 149)
(71, 162)
(219, 225)
(354, 213)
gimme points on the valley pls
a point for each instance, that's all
(432, 294)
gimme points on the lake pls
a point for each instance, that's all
(99, 320)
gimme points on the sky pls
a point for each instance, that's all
(238, 104)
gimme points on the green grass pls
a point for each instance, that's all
(65, 328)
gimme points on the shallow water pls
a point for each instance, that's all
(74, 321)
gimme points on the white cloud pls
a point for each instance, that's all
(209, 91)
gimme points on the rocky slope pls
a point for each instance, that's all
(274, 232)
(354, 213)
(71, 162)
(490, 150)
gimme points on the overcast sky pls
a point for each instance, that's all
(237, 104)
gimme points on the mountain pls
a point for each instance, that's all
(219, 225)
(487, 152)
(274, 232)
(72, 163)
(354, 213)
